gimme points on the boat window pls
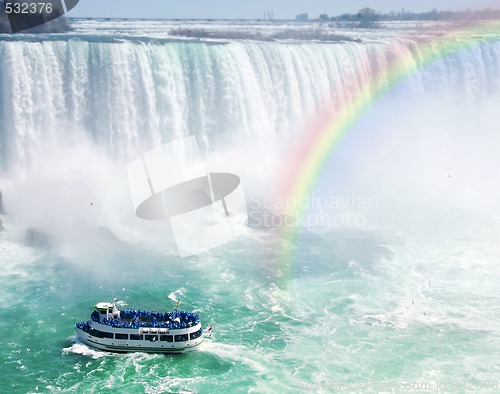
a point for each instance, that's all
(135, 337)
(196, 334)
(152, 338)
(100, 334)
(166, 338)
(121, 336)
(181, 338)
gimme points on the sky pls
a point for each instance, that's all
(239, 9)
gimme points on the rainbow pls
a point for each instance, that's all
(316, 145)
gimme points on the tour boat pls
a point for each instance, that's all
(133, 330)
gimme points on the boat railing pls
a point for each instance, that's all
(131, 318)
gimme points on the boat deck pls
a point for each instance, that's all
(131, 318)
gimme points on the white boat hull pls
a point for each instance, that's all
(148, 342)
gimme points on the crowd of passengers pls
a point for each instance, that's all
(83, 325)
(139, 318)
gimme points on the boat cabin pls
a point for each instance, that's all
(107, 310)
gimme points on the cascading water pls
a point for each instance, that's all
(121, 99)
(130, 96)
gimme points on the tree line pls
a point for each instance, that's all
(369, 17)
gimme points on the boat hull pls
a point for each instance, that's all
(146, 343)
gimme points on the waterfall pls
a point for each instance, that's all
(75, 112)
(129, 96)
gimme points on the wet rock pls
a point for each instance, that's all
(38, 239)
(2, 211)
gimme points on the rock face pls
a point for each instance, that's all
(2, 211)
(38, 239)
(1, 226)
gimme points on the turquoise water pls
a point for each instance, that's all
(351, 311)
(405, 300)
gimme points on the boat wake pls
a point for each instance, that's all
(84, 350)
(235, 353)
(263, 364)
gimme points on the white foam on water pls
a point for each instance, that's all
(84, 350)
(177, 294)
(14, 255)
(173, 384)
(270, 375)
